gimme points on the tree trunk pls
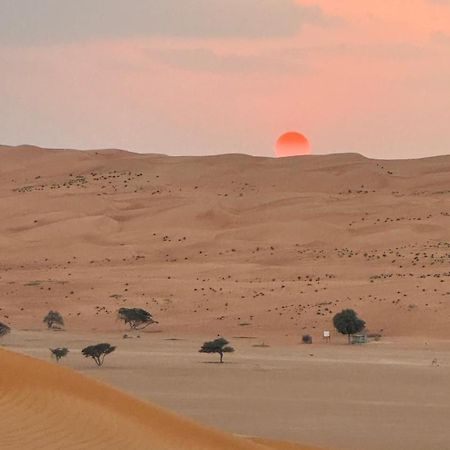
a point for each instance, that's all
(221, 357)
(349, 338)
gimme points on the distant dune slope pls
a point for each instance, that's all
(216, 243)
(43, 406)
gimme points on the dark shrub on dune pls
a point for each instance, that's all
(4, 329)
(59, 353)
(54, 320)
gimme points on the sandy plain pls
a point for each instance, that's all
(255, 249)
(383, 395)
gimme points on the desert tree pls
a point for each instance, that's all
(98, 352)
(4, 329)
(136, 318)
(54, 320)
(347, 322)
(219, 345)
(59, 353)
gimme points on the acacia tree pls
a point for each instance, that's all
(4, 329)
(59, 353)
(98, 352)
(347, 322)
(219, 345)
(136, 318)
(54, 320)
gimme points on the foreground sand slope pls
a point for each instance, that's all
(43, 406)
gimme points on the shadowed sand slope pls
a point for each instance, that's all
(43, 406)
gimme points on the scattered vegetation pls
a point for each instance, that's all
(98, 352)
(307, 339)
(347, 322)
(54, 320)
(136, 318)
(219, 345)
(59, 353)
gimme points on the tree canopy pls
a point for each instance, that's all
(219, 345)
(98, 352)
(54, 319)
(136, 318)
(347, 322)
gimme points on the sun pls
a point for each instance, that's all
(292, 144)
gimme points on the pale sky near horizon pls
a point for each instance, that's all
(225, 76)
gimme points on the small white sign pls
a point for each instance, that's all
(326, 334)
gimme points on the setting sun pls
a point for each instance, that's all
(292, 144)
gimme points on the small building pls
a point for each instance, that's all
(359, 339)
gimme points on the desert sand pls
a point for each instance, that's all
(385, 395)
(43, 406)
(258, 250)
(225, 244)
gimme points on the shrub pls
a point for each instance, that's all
(219, 345)
(54, 320)
(59, 353)
(307, 339)
(136, 318)
(98, 352)
(347, 322)
(4, 329)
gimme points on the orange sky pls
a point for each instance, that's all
(358, 76)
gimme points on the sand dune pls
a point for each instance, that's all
(211, 243)
(259, 250)
(48, 407)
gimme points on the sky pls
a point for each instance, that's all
(197, 77)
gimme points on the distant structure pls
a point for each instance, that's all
(326, 336)
(359, 339)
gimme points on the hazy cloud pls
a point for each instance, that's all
(441, 38)
(206, 60)
(283, 61)
(50, 21)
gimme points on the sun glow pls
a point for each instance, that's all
(292, 144)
